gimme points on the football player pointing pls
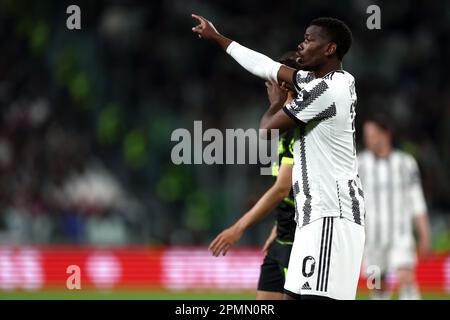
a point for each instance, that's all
(326, 255)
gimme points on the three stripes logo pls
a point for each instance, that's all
(306, 286)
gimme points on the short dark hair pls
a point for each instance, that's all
(338, 32)
(383, 121)
(288, 59)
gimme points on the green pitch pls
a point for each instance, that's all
(127, 295)
(157, 295)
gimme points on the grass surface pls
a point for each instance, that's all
(126, 295)
(156, 295)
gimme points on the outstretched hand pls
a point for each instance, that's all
(205, 29)
(223, 242)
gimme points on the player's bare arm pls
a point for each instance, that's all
(254, 62)
(269, 240)
(281, 188)
(423, 230)
(275, 117)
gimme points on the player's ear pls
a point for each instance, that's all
(331, 49)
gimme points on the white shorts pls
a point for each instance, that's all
(326, 259)
(402, 254)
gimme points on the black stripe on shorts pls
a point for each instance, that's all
(325, 254)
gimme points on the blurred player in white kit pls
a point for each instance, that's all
(395, 204)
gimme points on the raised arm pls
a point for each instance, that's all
(254, 62)
(206, 30)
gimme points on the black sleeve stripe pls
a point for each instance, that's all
(309, 96)
(292, 116)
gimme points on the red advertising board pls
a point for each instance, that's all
(175, 268)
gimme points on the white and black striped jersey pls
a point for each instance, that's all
(393, 196)
(325, 172)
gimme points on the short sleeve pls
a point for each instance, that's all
(314, 102)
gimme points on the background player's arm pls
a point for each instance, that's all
(418, 204)
(280, 189)
(254, 62)
(270, 239)
(423, 232)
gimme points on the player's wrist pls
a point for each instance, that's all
(222, 41)
(240, 227)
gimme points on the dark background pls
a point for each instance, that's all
(86, 115)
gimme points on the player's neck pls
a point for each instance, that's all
(327, 68)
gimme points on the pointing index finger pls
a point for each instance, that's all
(200, 19)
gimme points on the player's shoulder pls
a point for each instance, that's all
(339, 78)
(334, 82)
(302, 76)
(404, 156)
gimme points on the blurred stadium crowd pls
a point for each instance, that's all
(86, 116)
